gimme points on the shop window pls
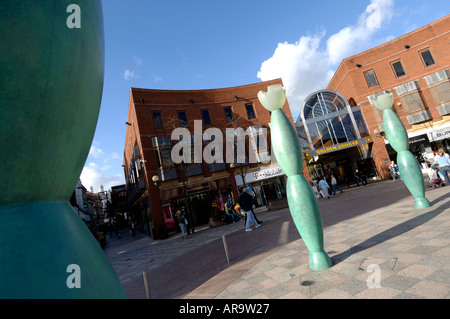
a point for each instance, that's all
(361, 124)
(163, 158)
(206, 117)
(427, 58)
(398, 69)
(183, 118)
(250, 111)
(228, 114)
(412, 102)
(157, 120)
(371, 78)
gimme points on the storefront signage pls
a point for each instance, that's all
(421, 139)
(267, 173)
(259, 175)
(197, 188)
(440, 134)
(339, 147)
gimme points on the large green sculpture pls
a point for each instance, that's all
(398, 138)
(51, 82)
(301, 199)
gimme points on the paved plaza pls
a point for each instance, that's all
(371, 232)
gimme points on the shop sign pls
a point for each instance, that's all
(197, 188)
(339, 147)
(267, 173)
(421, 139)
(440, 134)
(259, 175)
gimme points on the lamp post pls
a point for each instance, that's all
(398, 138)
(302, 202)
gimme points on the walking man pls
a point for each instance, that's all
(394, 170)
(246, 202)
(335, 187)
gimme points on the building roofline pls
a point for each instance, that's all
(134, 89)
(385, 44)
(399, 38)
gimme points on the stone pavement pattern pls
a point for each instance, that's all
(365, 226)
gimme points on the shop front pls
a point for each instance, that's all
(266, 185)
(199, 202)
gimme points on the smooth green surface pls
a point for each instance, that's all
(51, 82)
(397, 136)
(411, 175)
(308, 220)
(39, 241)
(301, 199)
(285, 144)
(395, 131)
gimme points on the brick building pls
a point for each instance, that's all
(415, 67)
(158, 185)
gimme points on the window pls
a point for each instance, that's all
(398, 69)
(206, 118)
(228, 114)
(157, 120)
(427, 57)
(250, 111)
(371, 78)
(183, 118)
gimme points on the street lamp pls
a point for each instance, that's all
(155, 180)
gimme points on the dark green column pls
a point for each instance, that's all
(51, 82)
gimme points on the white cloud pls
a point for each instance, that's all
(102, 168)
(127, 75)
(137, 61)
(309, 63)
(95, 152)
(93, 176)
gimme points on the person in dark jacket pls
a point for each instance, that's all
(180, 219)
(246, 202)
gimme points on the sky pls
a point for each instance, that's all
(209, 44)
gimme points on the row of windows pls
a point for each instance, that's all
(182, 117)
(397, 68)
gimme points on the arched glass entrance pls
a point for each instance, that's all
(327, 119)
(333, 130)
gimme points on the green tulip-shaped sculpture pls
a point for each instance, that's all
(51, 82)
(302, 202)
(397, 136)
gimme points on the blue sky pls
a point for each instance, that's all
(207, 44)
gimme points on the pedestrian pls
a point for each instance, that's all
(444, 166)
(324, 187)
(358, 178)
(230, 211)
(394, 170)
(246, 202)
(315, 191)
(189, 225)
(334, 183)
(133, 228)
(180, 220)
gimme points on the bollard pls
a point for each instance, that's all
(225, 247)
(146, 286)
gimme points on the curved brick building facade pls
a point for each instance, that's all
(152, 117)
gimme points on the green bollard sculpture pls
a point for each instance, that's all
(302, 202)
(51, 82)
(397, 136)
